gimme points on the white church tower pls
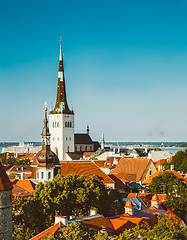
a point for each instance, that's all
(61, 118)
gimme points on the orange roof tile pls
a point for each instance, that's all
(50, 230)
(131, 168)
(148, 181)
(26, 184)
(96, 222)
(84, 168)
(159, 162)
(132, 195)
(5, 183)
(119, 183)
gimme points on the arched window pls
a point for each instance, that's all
(85, 148)
(42, 175)
(70, 124)
(53, 125)
(49, 175)
(66, 124)
(57, 124)
(68, 149)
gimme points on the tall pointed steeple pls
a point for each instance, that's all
(45, 132)
(61, 100)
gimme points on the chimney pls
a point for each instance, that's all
(93, 212)
(172, 167)
(155, 202)
(129, 208)
(63, 220)
(160, 169)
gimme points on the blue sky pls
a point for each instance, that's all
(125, 67)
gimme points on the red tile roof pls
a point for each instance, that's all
(53, 229)
(26, 184)
(84, 168)
(131, 168)
(119, 183)
(159, 162)
(5, 183)
(148, 181)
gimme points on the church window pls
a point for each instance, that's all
(66, 124)
(57, 124)
(70, 138)
(70, 124)
(53, 125)
(66, 138)
(58, 138)
(49, 175)
(42, 175)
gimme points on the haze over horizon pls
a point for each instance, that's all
(125, 67)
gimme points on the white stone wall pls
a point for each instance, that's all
(62, 136)
(5, 215)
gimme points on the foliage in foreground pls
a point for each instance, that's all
(64, 196)
(166, 229)
(175, 190)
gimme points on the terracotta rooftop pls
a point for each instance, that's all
(88, 169)
(18, 191)
(119, 183)
(26, 184)
(148, 181)
(159, 162)
(53, 229)
(131, 168)
(5, 183)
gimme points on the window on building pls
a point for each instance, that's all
(58, 171)
(58, 124)
(37, 175)
(42, 175)
(68, 149)
(70, 138)
(53, 124)
(66, 124)
(85, 148)
(53, 139)
(70, 124)
(49, 175)
(66, 138)
(150, 172)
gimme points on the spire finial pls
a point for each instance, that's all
(60, 57)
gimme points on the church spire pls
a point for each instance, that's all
(61, 100)
(45, 132)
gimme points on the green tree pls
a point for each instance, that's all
(70, 195)
(168, 184)
(179, 160)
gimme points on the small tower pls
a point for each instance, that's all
(155, 202)
(45, 163)
(129, 208)
(103, 142)
(61, 118)
(5, 206)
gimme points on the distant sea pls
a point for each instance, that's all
(172, 147)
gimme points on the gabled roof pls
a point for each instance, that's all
(51, 230)
(131, 168)
(88, 169)
(26, 184)
(5, 183)
(18, 191)
(159, 162)
(148, 181)
(82, 138)
(119, 183)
